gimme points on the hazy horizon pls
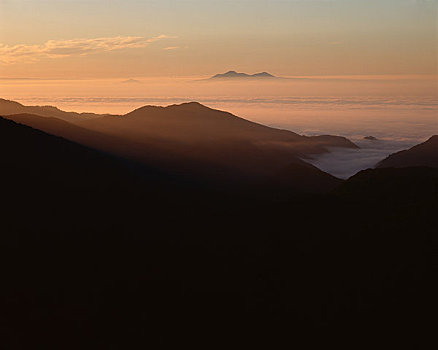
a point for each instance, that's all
(384, 106)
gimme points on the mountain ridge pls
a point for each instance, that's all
(199, 142)
(8, 107)
(238, 75)
(424, 154)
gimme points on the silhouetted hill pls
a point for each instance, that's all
(229, 161)
(101, 253)
(173, 122)
(100, 141)
(32, 158)
(11, 107)
(235, 75)
(197, 130)
(232, 162)
(198, 142)
(424, 154)
(199, 134)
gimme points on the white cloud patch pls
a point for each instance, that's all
(72, 47)
(343, 162)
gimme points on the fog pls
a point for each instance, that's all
(344, 163)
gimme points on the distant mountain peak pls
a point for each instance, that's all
(234, 74)
(370, 138)
(131, 81)
(188, 106)
(191, 103)
(264, 74)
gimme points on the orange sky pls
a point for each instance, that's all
(121, 39)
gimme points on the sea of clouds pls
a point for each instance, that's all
(344, 163)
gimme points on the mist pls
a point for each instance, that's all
(344, 163)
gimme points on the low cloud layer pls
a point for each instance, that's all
(73, 47)
(344, 163)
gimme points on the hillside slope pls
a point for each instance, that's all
(199, 142)
(424, 154)
(8, 107)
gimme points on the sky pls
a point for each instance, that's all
(97, 39)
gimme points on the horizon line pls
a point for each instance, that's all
(307, 76)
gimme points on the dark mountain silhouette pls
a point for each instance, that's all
(102, 253)
(424, 154)
(11, 107)
(165, 122)
(90, 138)
(233, 161)
(197, 141)
(194, 123)
(235, 75)
(263, 75)
(31, 157)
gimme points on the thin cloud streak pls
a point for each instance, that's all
(73, 47)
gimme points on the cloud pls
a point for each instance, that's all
(72, 47)
(171, 48)
(343, 163)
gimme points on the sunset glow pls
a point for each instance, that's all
(116, 39)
